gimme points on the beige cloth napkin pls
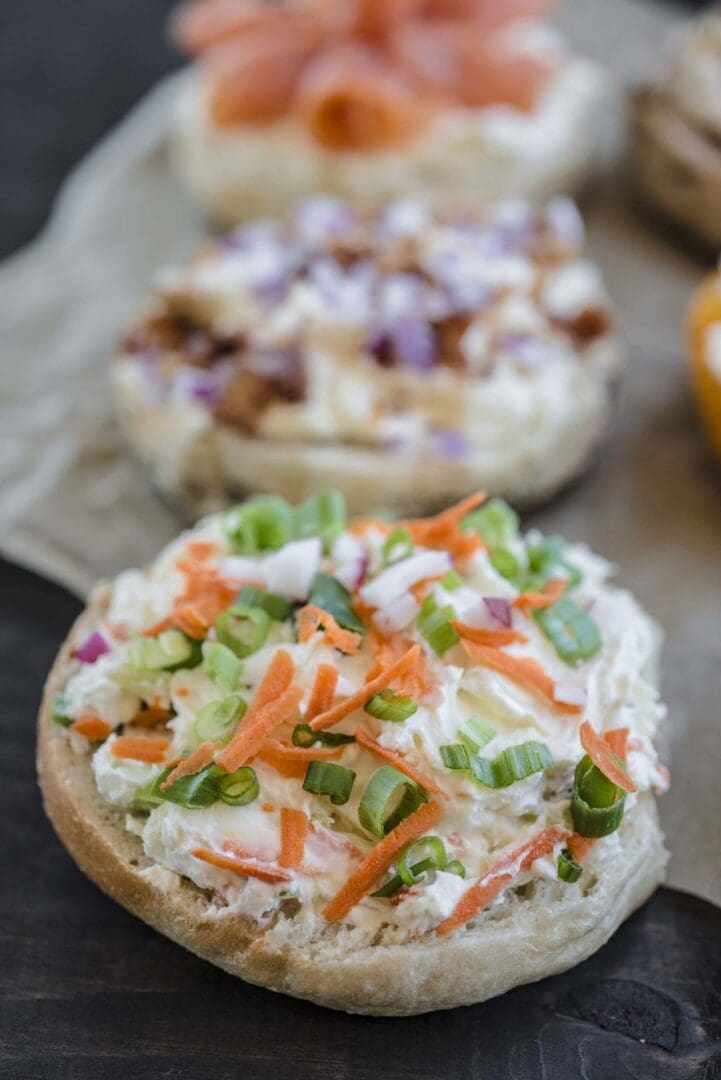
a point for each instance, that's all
(74, 507)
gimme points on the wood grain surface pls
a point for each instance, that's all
(89, 991)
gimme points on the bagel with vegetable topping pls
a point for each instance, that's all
(388, 767)
(404, 357)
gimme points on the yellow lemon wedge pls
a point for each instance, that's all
(704, 338)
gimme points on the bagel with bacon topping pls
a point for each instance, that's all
(389, 767)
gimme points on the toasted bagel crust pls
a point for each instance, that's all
(525, 939)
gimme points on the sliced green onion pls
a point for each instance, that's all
(455, 756)
(455, 866)
(322, 515)
(58, 711)
(517, 762)
(475, 732)
(221, 665)
(545, 560)
(452, 581)
(242, 629)
(263, 523)
(396, 882)
(388, 798)
(571, 630)
(329, 594)
(495, 521)
(506, 563)
(568, 870)
(434, 852)
(218, 719)
(327, 778)
(387, 706)
(275, 606)
(597, 804)
(193, 792)
(169, 651)
(513, 764)
(435, 625)
(397, 545)
(305, 737)
(240, 788)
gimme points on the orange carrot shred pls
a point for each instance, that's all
(140, 748)
(92, 727)
(379, 859)
(241, 866)
(276, 681)
(323, 693)
(189, 766)
(617, 741)
(250, 736)
(205, 595)
(399, 762)
(293, 761)
(579, 846)
(534, 601)
(493, 638)
(369, 688)
(499, 877)
(311, 617)
(293, 830)
(522, 670)
(602, 757)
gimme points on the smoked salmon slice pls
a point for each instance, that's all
(351, 98)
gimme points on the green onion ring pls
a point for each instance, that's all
(381, 792)
(436, 856)
(568, 869)
(386, 705)
(240, 788)
(327, 778)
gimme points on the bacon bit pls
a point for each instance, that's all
(151, 716)
(493, 638)
(602, 757)
(139, 748)
(525, 672)
(92, 727)
(618, 741)
(293, 761)
(379, 859)
(370, 687)
(194, 763)
(241, 866)
(444, 531)
(322, 695)
(399, 762)
(534, 601)
(293, 831)
(499, 877)
(250, 737)
(311, 618)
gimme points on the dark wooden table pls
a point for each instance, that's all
(88, 991)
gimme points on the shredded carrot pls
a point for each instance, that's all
(444, 530)
(534, 601)
(522, 670)
(379, 859)
(241, 866)
(493, 638)
(311, 618)
(359, 525)
(140, 748)
(269, 691)
(419, 589)
(250, 736)
(151, 716)
(369, 688)
(205, 595)
(189, 766)
(293, 761)
(293, 831)
(322, 695)
(602, 757)
(499, 877)
(267, 808)
(399, 762)
(579, 846)
(92, 727)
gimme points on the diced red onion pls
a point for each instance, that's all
(200, 385)
(351, 561)
(568, 694)
(322, 218)
(394, 582)
(291, 570)
(451, 444)
(499, 609)
(414, 344)
(405, 217)
(94, 647)
(527, 351)
(394, 617)
(563, 217)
